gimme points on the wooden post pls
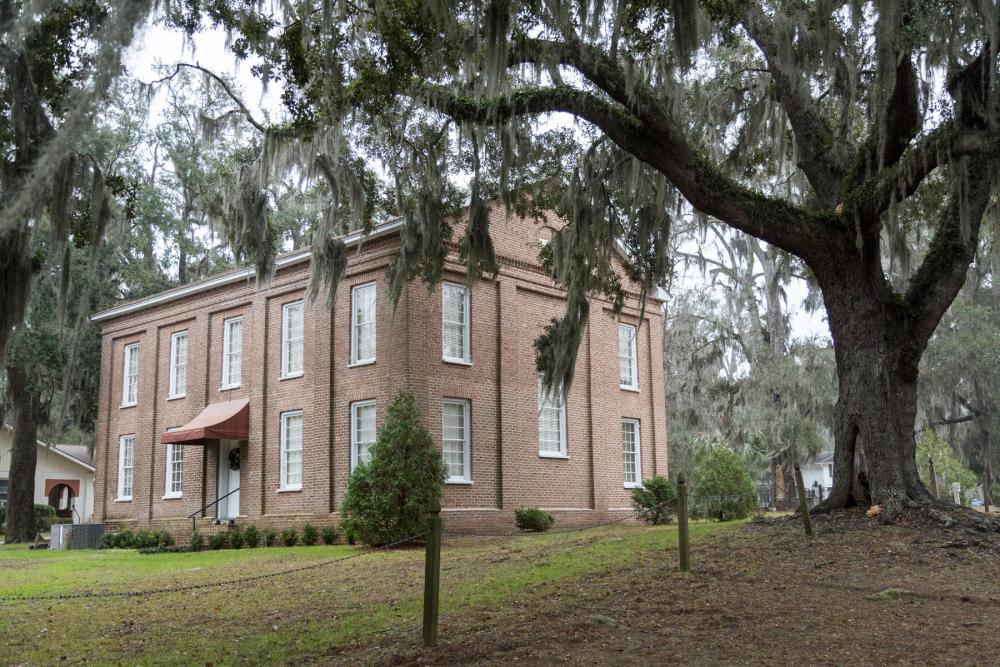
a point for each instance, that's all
(682, 524)
(432, 576)
(934, 486)
(803, 502)
(987, 492)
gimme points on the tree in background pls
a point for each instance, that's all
(732, 369)
(947, 467)
(826, 104)
(721, 487)
(390, 496)
(961, 392)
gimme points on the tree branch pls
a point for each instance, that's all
(823, 159)
(936, 283)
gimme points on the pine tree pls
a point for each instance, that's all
(389, 496)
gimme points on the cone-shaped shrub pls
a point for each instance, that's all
(389, 497)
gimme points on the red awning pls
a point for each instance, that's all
(218, 421)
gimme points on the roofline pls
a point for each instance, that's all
(290, 259)
(55, 448)
(68, 457)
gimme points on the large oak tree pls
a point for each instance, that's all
(806, 124)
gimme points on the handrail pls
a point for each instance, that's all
(194, 515)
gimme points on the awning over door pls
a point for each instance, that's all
(218, 421)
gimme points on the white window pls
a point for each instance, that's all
(630, 453)
(455, 323)
(627, 357)
(292, 339)
(363, 324)
(551, 422)
(178, 365)
(363, 431)
(232, 352)
(291, 451)
(175, 471)
(455, 440)
(130, 382)
(126, 462)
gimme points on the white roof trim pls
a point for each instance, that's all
(53, 448)
(290, 259)
(66, 456)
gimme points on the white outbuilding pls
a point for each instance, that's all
(64, 477)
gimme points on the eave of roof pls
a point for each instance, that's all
(245, 274)
(54, 448)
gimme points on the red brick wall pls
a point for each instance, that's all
(507, 312)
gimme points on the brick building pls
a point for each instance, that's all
(217, 386)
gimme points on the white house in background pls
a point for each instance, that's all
(817, 474)
(64, 477)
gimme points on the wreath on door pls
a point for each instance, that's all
(234, 459)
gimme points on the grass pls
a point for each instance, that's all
(310, 616)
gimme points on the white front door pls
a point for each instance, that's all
(229, 480)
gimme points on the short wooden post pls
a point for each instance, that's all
(432, 576)
(987, 491)
(682, 524)
(803, 501)
(934, 486)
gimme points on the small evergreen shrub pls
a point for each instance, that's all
(655, 500)
(723, 488)
(217, 541)
(164, 539)
(350, 536)
(309, 535)
(532, 518)
(144, 539)
(120, 539)
(251, 536)
(166, 550)
(268, 537)
(236, 538)
(329, 534)
(289, 536)
(389, 497)
(197, 541)
(3, 515)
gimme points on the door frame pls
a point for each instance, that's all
(224, 511)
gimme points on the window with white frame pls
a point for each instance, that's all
(232, 352)
(126, 463)
(551, 421)
(178, 365)
(627, 357)
(291, 450)
(130, 380)
(455, 323)
(630, 453)
(455, 440)
(292, 336)
(363, 324)
(175, 471)
(363, 432)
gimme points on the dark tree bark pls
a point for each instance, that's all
(23, 459)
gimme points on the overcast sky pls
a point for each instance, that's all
(156, 45)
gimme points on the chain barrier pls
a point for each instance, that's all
(204, 585)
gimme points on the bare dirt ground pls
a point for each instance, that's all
(857, 593)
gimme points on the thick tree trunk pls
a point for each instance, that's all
(875, 456)
(23, 459)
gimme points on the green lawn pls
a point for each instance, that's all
(327, 614)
